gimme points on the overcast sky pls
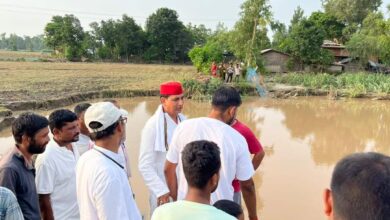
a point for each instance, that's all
(28, 17)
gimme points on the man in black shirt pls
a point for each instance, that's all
(17, 172)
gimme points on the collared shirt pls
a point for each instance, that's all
(56, 175)
(9, 207)
(103, 190)
(83, 144)
(19, 177)
(235, 158)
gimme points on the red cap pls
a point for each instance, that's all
(171, 88)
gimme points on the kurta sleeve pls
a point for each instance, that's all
(146, 162)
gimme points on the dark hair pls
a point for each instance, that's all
(201, 160)
(225, 97)
(229, 207)
(110, 130)
(59, 118)
(361, 187)
(80, 108)
(29, 124)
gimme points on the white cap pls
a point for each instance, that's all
(124, 113)
(105, 113)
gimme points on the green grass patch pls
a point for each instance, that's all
(354, 84)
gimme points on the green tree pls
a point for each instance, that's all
(168, 38)
(65, 35)
(280, 35)
(351, 11)
(329, 23)
(130, 38)
(304, 44)
(249, 35)
(373, 40)
(199, 34)
(297, 17)
(106, 35)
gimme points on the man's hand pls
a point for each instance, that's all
(163, 199)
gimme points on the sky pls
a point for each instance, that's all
(29, 17)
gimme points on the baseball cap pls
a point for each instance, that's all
(104, 113)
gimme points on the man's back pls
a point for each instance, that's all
(189, 211)
(235, 157)
(103, 190)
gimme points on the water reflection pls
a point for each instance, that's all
(302, 138)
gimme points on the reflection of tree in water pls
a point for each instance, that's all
(339, 128)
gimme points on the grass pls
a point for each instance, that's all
(23, 56)
(38, 81)
(203, 90)
(353, 84)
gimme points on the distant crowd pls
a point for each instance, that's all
(76, 165)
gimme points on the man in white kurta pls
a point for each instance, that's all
(56, 169)
(103, 190)
(156, 137)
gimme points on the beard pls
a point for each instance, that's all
(35, 148)
(75, 138)
(230, 121)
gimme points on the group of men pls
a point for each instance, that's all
(226, 71)
(83, 171)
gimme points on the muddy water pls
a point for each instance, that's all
(303, 139)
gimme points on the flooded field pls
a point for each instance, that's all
(303, 139)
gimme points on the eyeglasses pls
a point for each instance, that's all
(123, 120)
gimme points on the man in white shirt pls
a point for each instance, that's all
(56, 169)
(237, 72)
(84, 141)
(156, 137)
(125, 161)
(235, 158)
(103, 190)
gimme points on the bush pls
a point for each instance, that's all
(202, 57)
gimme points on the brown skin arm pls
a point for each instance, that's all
(257, 158)
(249, 194)
(45, 205)
(170, 176)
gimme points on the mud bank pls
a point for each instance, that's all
(273, 91)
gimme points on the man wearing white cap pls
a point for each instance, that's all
(156, 137)
(103, 190)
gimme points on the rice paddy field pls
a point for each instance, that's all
(38, 81)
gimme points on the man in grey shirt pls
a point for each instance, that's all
(17, 172)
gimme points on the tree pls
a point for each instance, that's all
(329, 23)
(373, 40)
(305, 41)
(280, 35)
(297, 17)
(351, 11)
(65, 35)
(168, 38)
(130, 38)
(199, 34)
(249, 35)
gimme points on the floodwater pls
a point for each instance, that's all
(303, 139)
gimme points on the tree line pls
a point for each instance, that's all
(14, 42)
(357, 24)
(164, 39)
